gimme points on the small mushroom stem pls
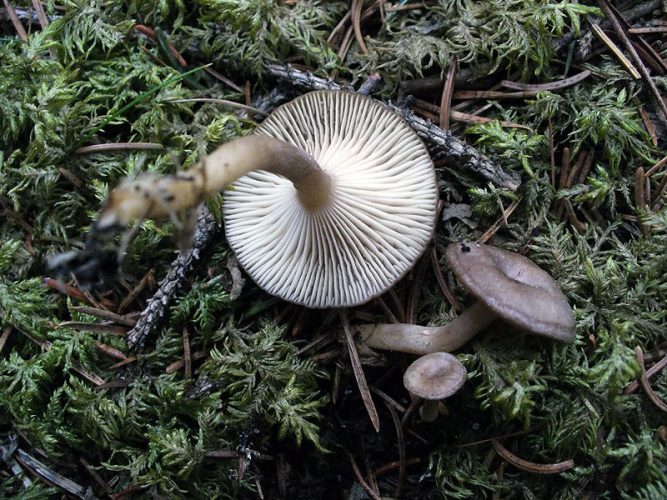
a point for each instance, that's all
(417, 339)
(429, 410)
(159, 197)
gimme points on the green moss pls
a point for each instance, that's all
(250, 390)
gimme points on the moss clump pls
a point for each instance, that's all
(153, 428)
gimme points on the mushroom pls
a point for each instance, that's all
(333, 199)
(507, 285)
(433, 377)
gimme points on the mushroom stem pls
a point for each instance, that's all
(417, 339)
(260, 152)
(429, 410)
(159, 197)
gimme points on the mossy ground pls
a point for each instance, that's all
(298, 417)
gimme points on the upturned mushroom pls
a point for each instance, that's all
(507, 286)
(332, 199)
(434, 377)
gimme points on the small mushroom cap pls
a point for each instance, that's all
(380, 218)
(514, 288)
(435, 376)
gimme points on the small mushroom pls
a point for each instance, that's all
(433, 377)
(332, 202)
(507, 285)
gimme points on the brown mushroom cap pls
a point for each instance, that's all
(514, 288)
(435, 376)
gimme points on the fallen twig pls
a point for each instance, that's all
(539, 87)
(94, 327)
(20, 30)
(360, 478)
(451, 148)
(134, 293)
(179, 270)
(4, 336)
(118, 146)
(643, 381)
(356, 7)
(104, 314)
(446, 98)
(52, 477)
(530, 466)
(618, 53)
(646, 77)
(359, 373)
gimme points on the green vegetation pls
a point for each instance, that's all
(89, 77)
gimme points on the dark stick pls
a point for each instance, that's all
(453, 149)
(179, 270)
(618, 28)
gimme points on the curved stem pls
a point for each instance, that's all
(259, 152)
(417, 339)
(158, 197)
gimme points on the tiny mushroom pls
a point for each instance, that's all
(332, 199)
(507, 285)
(433, 377)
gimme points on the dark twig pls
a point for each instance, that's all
(643, 381)
(4, 336)
(416, 288)
(530, 466)
(118, 146)
(95, 327)
(446, 98)
(177, 365)
(360, 478)
(644, 49)
(620, 32)
(222, 102)
(93, 473)
(451, 148)
(41, 15)
(656, 368)
(20, 30)
(359, 373)
(383, 469)
(173, 282)
(357, 5)
(442, 283)
(134, 293)
(47, 474)
(104, 314)
(556, 85)
(400, 443)
(187, 354)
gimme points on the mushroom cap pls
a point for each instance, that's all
(514, 288)
(433, 376)
(381, 216)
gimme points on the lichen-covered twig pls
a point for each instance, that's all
(157, 306)
(450, 147)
